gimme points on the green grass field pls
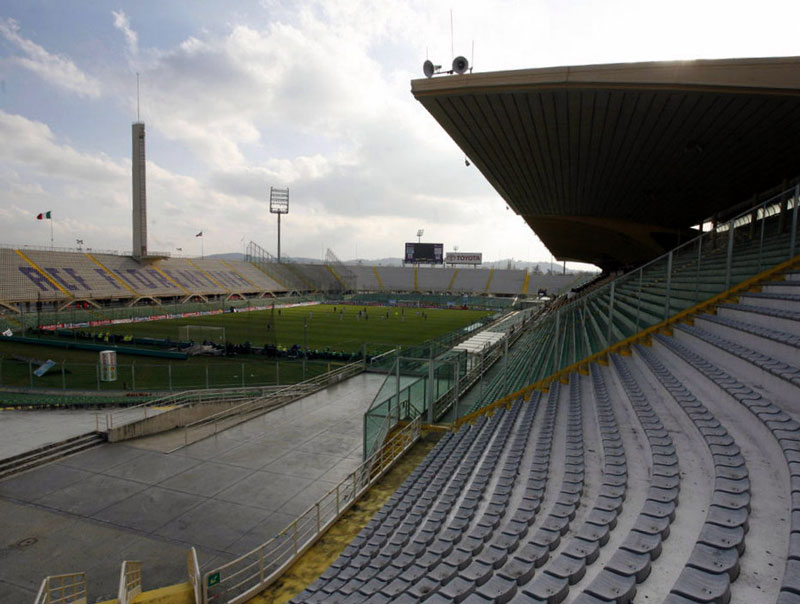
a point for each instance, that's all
(323, 327)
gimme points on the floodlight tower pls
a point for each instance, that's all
(279, 204)
(139, 192)
(420, 232)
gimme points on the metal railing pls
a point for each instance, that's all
(130, 581)
(63, 589)
(152, 407)
(244, 402)
(195, 577)
(212, 424)
(241, 579)
(696, 271)
(48, 248)
(394, 403)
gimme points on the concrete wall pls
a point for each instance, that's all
(168, 420)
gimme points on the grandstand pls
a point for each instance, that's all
(518, 505)
(633, 465)
(61, 279)
(65, 278)
(642, 442)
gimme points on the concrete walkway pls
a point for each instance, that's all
(23, 430)
(225, 495)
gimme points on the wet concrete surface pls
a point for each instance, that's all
(225, 495)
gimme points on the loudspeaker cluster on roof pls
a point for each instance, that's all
(460, 66)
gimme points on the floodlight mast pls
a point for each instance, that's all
(279, 204)
(420, 232)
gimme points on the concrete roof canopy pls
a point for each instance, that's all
(612, 164)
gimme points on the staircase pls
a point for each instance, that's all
(49, 453)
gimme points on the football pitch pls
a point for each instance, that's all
(337, 327)
(321, 327)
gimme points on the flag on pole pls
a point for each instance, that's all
(44, 215)
(200, 234)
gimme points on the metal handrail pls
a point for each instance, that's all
(47, 248)
(241, 579)
(293, 392)
(130, 581)
(186, 396)
(69, 588)
(195, 577)
(641, 300)
(213, 395)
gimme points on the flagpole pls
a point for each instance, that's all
(51, 234)
(202, 253)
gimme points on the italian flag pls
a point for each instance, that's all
(44, 215)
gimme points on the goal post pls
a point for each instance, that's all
(201, 333)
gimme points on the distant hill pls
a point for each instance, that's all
(542, 267)
(229, 256)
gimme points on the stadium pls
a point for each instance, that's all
(632, 436)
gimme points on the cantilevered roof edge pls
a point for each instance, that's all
(750, 75)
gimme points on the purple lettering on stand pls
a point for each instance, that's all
(54, 273)
(124, 277)
(226, 278)
(239, 279)
(160, 278)
(141, 278)
(170, 274)
(107, 277)
(187, 276)
(38, 278)
(218, 278)
(203, 277)
(229, 278)
(74, 274)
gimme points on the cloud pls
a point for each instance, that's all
(122, 23)
(32, 145)
(318, 101)
(55, 69)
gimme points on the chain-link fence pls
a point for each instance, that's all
(133, 377)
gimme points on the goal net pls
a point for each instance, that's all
(201, 333)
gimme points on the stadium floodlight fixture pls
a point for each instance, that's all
(279, 204)
(278, 201)
(420, 232)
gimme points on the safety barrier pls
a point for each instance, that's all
(624, 345)
(156, 375)
(241, 579)
(696, 271)
(195, 578)
(206, 412)
(130, 581)
(63, 589)
(153, 407)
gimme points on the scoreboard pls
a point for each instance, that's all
(424, 253)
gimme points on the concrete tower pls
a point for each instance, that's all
(139, 192)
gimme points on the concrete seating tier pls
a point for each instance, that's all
(507, 281)
(397, 278)
(472, 280)
(50, 276)
(319, 276)
(671, 474)
(366, 281)
(32, 275)
(434, 279)
(257, 277)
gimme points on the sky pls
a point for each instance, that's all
(313, 95)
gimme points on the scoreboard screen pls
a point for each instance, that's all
(424, 253)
